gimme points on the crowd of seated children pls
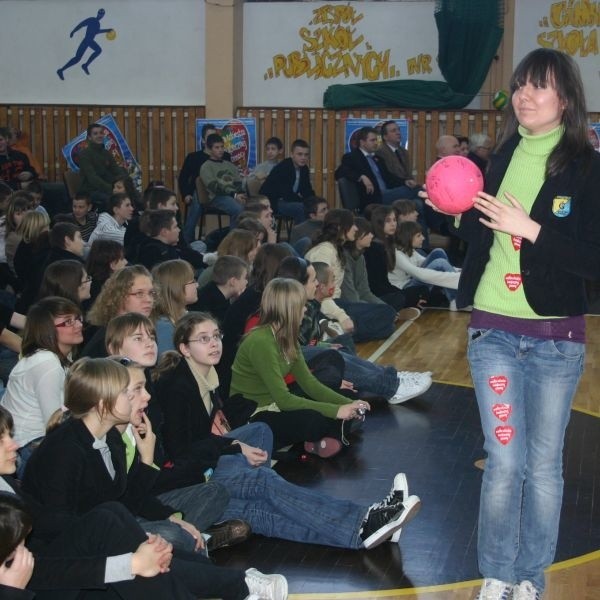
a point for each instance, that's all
(82, 214)
(112, 224)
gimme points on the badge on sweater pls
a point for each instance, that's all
(561, 206)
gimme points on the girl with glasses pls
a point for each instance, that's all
(198, 424)
(34, 391)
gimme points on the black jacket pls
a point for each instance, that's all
(355, 165)
(567, 249)
(280, 183)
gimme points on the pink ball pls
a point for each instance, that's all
(452, 182)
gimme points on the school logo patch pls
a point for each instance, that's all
(504, 433)
(498, 383)
(512, 281)
(502, 411)
(561, 206)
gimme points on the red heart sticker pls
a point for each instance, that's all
(498, 383)
(516, 241)
(512, 281)
(504, 433)
(502, 411)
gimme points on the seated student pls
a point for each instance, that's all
(238, 242)
(355, 286)
(303, 234)
(104, 258)
(406, 210)
(414, 269)
(268, 258)
(15, 168)
(36, 191)
(197, 423)
(288, 184)
(380, 259)
(10, 342)
(229, 281)
(125, 185)
(83, 215)
(161, 198)
(66, 279)
(222, 179)
(364, 321)
(266, 355)
(65, 242)
(18, 205)
(366, 378)
(82, 463)
(273, 150)
(162, 235)
(113, 223)
(177, 289)
(75, 566)
(35, 386)
(129, 289)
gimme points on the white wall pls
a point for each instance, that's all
(157, 56)
(294, 51)
(571, 26)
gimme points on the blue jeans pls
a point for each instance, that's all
(368, 378)
(524, 389)
(371, 321)
(436, 260)
(228, 205)
(201, 505)
(276, 508)
(192, 217)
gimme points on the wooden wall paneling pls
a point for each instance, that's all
(330, 158)
(168, 166)
(141, 119)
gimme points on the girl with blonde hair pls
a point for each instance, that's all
(268, 354)
(177, 288)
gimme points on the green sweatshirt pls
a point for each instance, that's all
(500, 290)
(221, 178)
(98, 169)
(258, 372)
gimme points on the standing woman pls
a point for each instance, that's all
(366, 321)
(533, 241)
(35, 386)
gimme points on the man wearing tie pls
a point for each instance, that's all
(375, 182)
(394, 156)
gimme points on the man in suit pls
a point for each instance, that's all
(395, 157)
(375, 182)
(288, 183)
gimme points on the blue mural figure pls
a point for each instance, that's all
(92, 25)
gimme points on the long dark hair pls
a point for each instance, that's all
(404, 236)
(336, 224)
(543, 67)
(378, 216)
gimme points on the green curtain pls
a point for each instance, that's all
(469, 32)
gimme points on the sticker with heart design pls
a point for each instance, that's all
(504, 433)
(498, 383)
(516, 241)
(502, 411)
(512, 281)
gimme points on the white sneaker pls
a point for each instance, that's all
(266, 587)
(494, 589)
(525, 591)
(410, 385)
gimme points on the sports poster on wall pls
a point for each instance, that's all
(351, 127)
(239, 136)
(114, 142)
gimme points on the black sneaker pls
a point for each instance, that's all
(381, 522)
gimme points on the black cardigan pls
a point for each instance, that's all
(567, 249)
(67, 477)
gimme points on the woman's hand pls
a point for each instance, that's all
(347, 385)
(254, 456)
(190, 529)
(507, 218)
(152, 557)
(146, 444)
(423, 194)
(350, 411)
(18, 574)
